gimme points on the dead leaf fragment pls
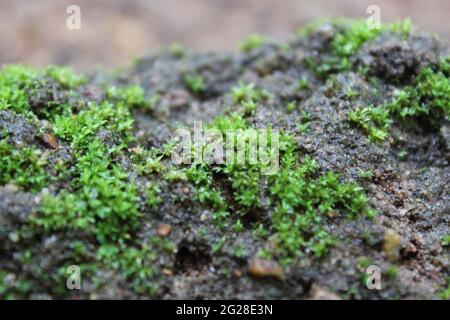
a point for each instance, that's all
(50, 140)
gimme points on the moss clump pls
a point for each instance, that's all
(375, 121)
(65, 77)
(253, 42)
(100, 200)
(446, 240)
(301, 199)
(350, 36)
(131, 96)
(23, 167)
(18, 83)
(445, 294)
(304, 200)
(11, 290)
(247, 92)
(135, 263)
(247, 96)
(430, 92)
(392, 272)
(303, 84)
(177, 50)
(103, 201)
(15, 80)
(195, 83)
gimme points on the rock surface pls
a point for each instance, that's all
(406, 181)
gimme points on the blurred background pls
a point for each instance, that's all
(113, 32)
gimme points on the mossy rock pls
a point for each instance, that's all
(87, 177)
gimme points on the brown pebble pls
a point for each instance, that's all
(261, 268)
(136, 150)
(164, 229)
(391, 245)
(412, 249)
(167, 272)
(50, 140)
(237, 273)
(185, 190)
(319, 293)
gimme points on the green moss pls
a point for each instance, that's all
(363, 262)
(349, 37)
(303, 83)
(177, 50)
(303, 125)
(243, 92)
(153, 198)
(102, 201)
(238, 226)
(290, 107)
(132, 96)
(446, 240)
(105, 207)
(351, 94)
(429, 95)
(65, 77)
(136, 264)
(302, 200)
(403, 27)
(365, 174)
(392, 272)
(15, 80)
(248, 97)
(195, 83)
(445, 293)
(247, 92)
(249, 107)
(239, 251)
(218, 245)
(375, 121)
(11, 290)
(208, 194)
(253, 42)
(100, 192)
(22, 166)
(18, 83)
(99, 200)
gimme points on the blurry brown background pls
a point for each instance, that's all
(113, 32)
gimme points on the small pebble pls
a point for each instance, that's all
(391, 245)
(319, 293)
(164, 229)
(261, 268)
(167, 272)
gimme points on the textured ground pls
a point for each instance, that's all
(182, 249)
